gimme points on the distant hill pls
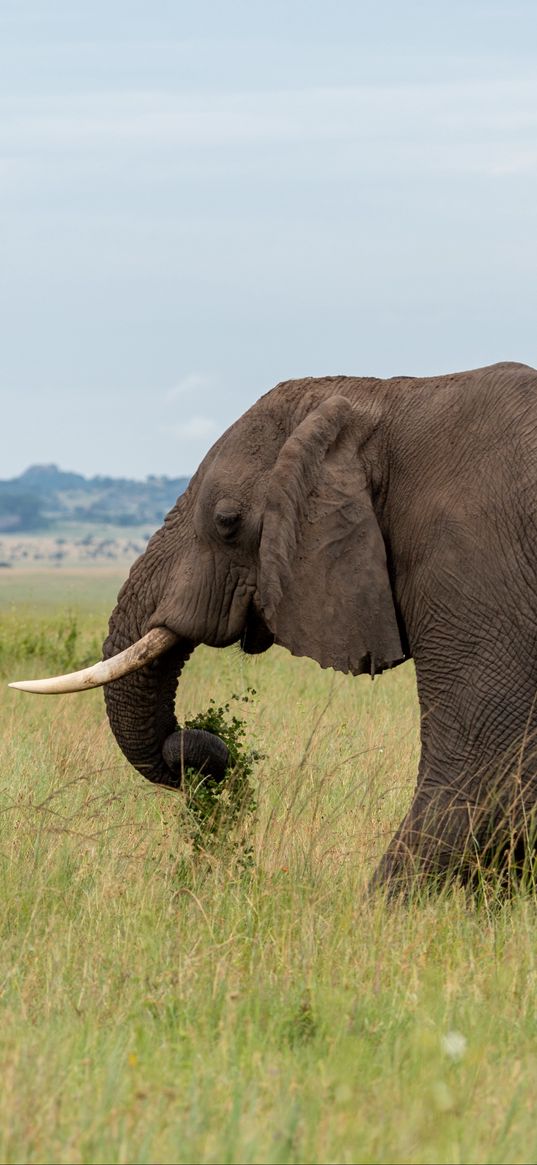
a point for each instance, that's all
(45, 496)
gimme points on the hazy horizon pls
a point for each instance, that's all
(71, 469)
(201, 201)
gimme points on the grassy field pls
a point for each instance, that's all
(161, 1004)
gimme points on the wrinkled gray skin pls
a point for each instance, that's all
(361, 522)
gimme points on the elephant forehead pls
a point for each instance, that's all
(242, 460)
(255, 439)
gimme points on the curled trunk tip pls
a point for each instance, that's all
(195, 748)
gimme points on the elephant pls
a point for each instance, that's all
(362, 522)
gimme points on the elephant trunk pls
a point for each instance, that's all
(141, 712)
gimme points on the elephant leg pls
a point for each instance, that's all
(440, 835)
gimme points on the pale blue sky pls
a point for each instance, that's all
(200, 199)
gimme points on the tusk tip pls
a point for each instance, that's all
(26, 685)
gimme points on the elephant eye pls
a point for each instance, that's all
(227, 520)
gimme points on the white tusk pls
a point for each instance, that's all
(155, 643)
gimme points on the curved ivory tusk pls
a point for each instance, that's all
(155, 643)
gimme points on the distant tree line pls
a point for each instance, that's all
(44, 495)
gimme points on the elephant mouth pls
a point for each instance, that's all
(256, 636)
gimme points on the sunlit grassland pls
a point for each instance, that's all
(159, 1004)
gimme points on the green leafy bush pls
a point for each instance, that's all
(220, 810)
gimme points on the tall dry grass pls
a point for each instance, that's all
(161, 1004)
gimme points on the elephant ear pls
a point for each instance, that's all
(323, 581)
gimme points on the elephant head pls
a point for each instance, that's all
(274, 541)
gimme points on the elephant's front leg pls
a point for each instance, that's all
(439, 837)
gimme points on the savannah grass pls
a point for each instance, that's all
(159, 1002)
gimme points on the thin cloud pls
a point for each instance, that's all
(422, 128)
(192, 382)
(196, 428)
(311, 113)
